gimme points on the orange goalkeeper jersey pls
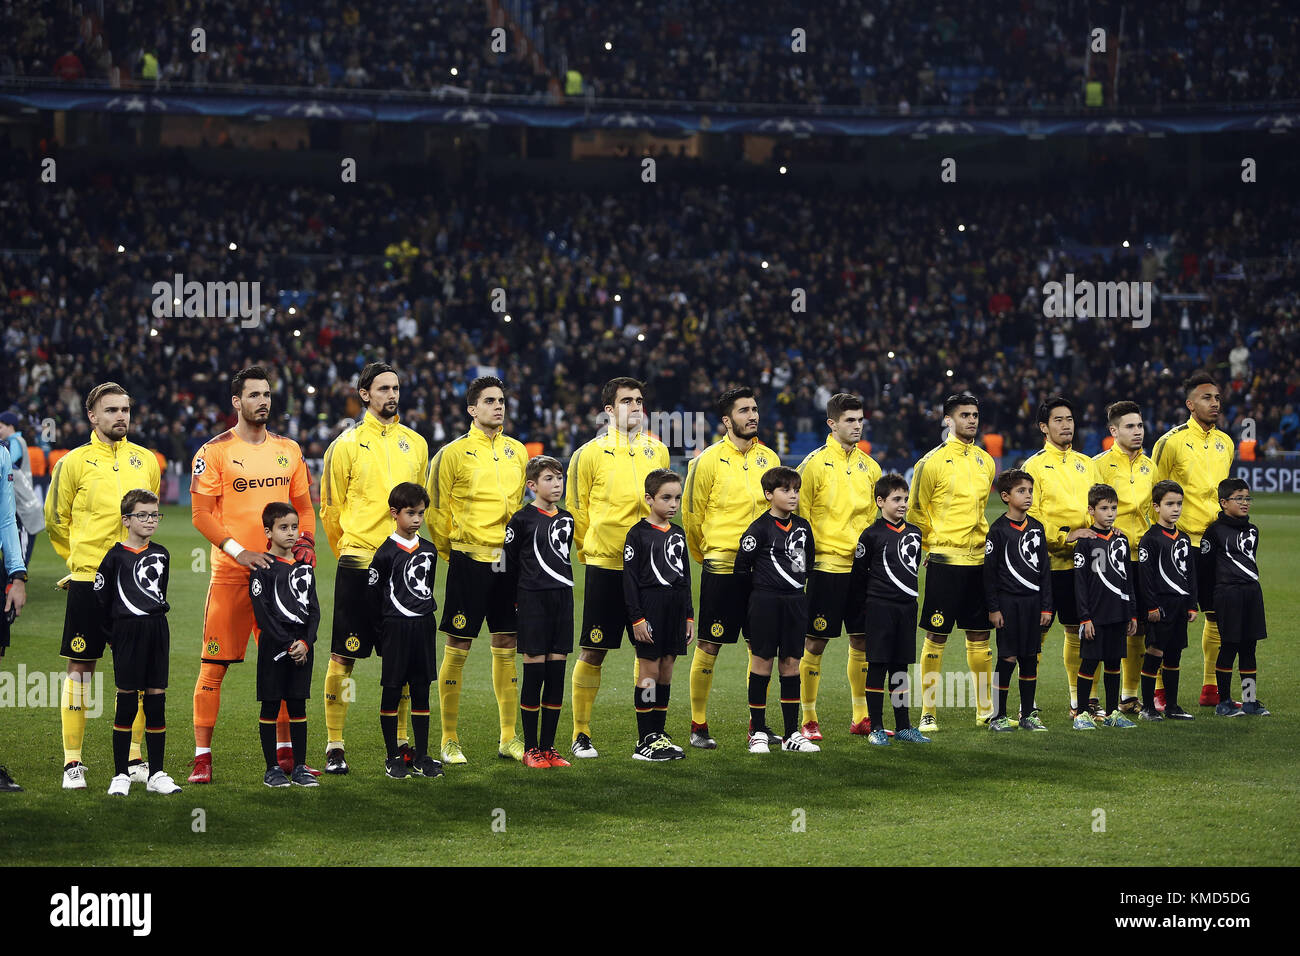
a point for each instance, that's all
(243, 479)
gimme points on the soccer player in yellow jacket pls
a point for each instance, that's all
(1197, 455)
(1127, 469)
(1062, 477)
(83, 517)
(839, 501)
(722, 497)
(361, 467)
(606, 496)
(475, 485)
(950, 488)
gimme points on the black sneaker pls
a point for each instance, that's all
(7, 783)
(426, 766)
(334, 762)
(275, 777)
(302, 777)
(395, 768)
(1174, 712)
(407, 753)
(1150, 713)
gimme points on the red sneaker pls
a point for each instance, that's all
(554, 759)
(202, 772)
(407, 754)
(1209, 696)
(862, 728)
(812, 730)
(284, 757)
(535, 758)
(1160, 700)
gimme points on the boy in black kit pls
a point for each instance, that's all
(131, 587)
(537, 554)
(885, 567)
(1229, 547)
(288, 615)
(1018, 591)
(401, 585)
(1169, 588)
(775, 555)
(1107, 609)
(657, 592)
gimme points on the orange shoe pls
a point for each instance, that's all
(862, 728)
(535, 758)
(202, 772)
(1209, 695)
(812, 730)
(284, 757)
(554, 759)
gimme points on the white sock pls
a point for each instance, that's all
(281, 744)
(200, 751)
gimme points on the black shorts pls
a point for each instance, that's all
(604, 613)
(355, 615)
(1063, 599)
(545, 621)
(141, 652)
(954, 597)
(830, 606)
(1135, 582)
(666, 612)
(723, 608)
(85, 626)
(776, 623)
(283, 679)
(477, 590)
(410, 651)
(891, 632)
(1204, 583)
(1021, 636)
(1168, 635)
(1240, 613)
(1110, 643)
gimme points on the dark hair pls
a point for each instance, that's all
(1196, 380)
(888, 484)
(953, 402)
(137, 496)
(781, 477)
(371, 372)
(727, 400)
(1228, 485)
(609, 393)
(480, 385)
(255, 372)
(1162, 488)
(1010, 479)
(1117, 410)
(99, 391)
(1052, 402)
(1099, 493)
(533, 470)
(658, 478)
(407, 494)
(841, 403)
(276, 510)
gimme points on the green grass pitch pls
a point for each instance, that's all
(1167, 794)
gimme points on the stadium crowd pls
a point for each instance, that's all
(885, 53)
(668, 284)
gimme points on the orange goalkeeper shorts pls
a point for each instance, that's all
(227, 622)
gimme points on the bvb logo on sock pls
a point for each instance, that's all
(819, 624)
(353, 643)
(937, 619)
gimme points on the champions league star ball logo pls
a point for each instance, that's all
(1029, 545)
(909, 551)
(796, 548)
(148, 575)
(1246, 541)
(1118, 560)
(676, 551)
(748, 543)
(1182, 547)
(560, 536)
(256, 588)
(373, 577)
(417, 575)
(300, 584)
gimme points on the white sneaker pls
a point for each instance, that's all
(161, 782)
(758, 744)
(800, 744)
(138, 772)
(119, 786)
(583, 749)
(74, 777)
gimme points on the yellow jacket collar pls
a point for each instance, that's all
(479, 436)
(111, 447)
(732, 445)
(956, 444)
(370, 423)
(1053, 450)
(1202, 433)
(833, 444)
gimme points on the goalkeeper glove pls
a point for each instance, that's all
(304, 549)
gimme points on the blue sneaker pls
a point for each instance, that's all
(879, 738)
(912, 736)
(1084, 722)
(1255, 708)
(1116, 719)
(1228, 708)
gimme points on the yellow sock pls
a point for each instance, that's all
(137, 727)
(1132, 664)
(450, 677)
(1210, 647)
(979, 658)
(749, 662)
(505, 684)
(931, 676)
(858, 683)
(404, 714)
(336, 703)
(810, 675)
(586, 681)
(701, 684)
(1070, 655)
(636, 672)
(73, 716)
